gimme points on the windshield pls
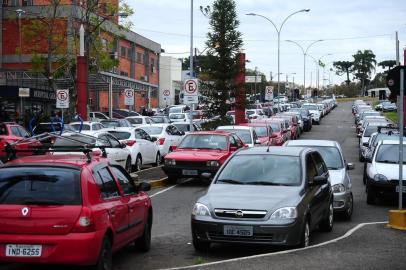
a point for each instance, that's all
(77, 127)
(183, 127)
(177, 116)
(331, 156)
(389, 153)
(120, 135)
(204, 142)
(310, 107)
(153, 130)
(135, 121)
(158, 120)
(262, 170)
(40, 185)
(261, 131)
(244, 134)
(110, 124)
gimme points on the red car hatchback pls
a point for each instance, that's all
(264, 132)
(11, 132)
(70, 209)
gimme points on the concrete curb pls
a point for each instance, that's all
(154, 183)
(397, 219)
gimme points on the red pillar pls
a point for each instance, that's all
(81, 72)
(240, 91)
(404, 97)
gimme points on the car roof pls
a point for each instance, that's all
(163, 125)
(273, 150)
(312, 143)
(76, 160)
(234, 127)
(391, 142)
(84, 123)
(212, 132)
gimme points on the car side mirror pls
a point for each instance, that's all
(319, 180)
(233, 148)
(257, 141)
(350, 166)
(143, 186)
(153, 139)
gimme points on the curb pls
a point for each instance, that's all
(397, 219)
(154, 183)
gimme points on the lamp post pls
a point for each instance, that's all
(278, 30)
(304, 59)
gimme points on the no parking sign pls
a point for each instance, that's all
(129, 97)
(62, 98)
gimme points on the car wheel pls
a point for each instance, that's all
(348, 212)
(305, 238)
(370, 196)
(157, 159)
(138, 163)
(200, 245)
(128, 166)
(326, 224)
(105, 260)
(144, 242)
(172, 179)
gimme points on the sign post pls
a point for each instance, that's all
(62, 99)
(191, 96)
(167, 95)
(129, 97)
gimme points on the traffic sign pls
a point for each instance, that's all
(167, 93)
(191, 91)
(62, 98)
(129, 97)
(24, 92)
(269, 93)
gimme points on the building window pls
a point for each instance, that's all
(139, 58)
(123, 51)
(129, 53)
(27, 2)
(123, 73)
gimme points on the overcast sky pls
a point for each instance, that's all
(345, 26)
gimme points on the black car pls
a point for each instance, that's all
(306, 116)
(261, 195)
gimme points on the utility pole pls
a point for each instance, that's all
(191, 61)
(255, 86)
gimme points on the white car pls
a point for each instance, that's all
(246, 134)
(139, 120)
(119, 124)
(143, 147)
(98, 116)
(337, 167)
(88, 127)
(115, 150)
(179, 117)
(255, 114)
(185, 127)
(314, 111)
(167, 135)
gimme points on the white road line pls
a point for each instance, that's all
(148, 169)
(347, 234)
(169, 188)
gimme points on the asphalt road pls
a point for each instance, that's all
(171, 236)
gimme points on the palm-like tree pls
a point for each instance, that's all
(387, 64)
(364, 64)
(344, 67)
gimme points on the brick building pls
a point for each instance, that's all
(138, 57)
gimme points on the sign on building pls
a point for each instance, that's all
(62, 98)
(129, 97)
(24, 92)
(269, 93)
(191, 91)
(253, 79)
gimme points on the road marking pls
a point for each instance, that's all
(347, 234)
(169, 188)
(148, 169)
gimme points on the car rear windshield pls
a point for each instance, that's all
(262, 170)
(389, 153)
(77, 127)
(120, 135)
(209, 141)
(331, 157)
(153, 130)
(40, 185)
(135, 121)
(74, 140)
(183, 127)
(244, 134)
(311, 107)
(158, 120)
(111, 124)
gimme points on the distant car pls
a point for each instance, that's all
(255, 114)
(185, 127)
(246, 133)
(161, 119)
(178, 109)
(139, 120)
(70, 210)
(120, 124)
(9, 133)
(98, 116)
(389, 107)
(87, 127)
(314, 111)
(179, 117)
(268, 196)
(341, 183)
(264, 132)
(201, 152)
(306, 117)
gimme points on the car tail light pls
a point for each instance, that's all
(161, 141)
(85, 222)
(130, 142)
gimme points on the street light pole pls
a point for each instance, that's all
(278, 30)
(191, 60)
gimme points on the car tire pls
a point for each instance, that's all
(105, 259)
(305, 238)
(157, 160)
(138, 163)
(348, 212)
(128, 166)
(172, 179)
(200, 245)
(144, 242)
(370, 196)
(326, 225)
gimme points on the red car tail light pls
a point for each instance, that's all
(130, 142)
(161, 141)
(85, 222)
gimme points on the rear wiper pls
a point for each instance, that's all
(43, 202)
(230, 181)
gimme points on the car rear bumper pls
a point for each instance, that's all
(263, 233)
(73, 248)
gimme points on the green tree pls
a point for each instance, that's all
(224, 42)
(364, 64)
(387, 64)
(344, 67)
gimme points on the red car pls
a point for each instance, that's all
(281, 133)
(70, 209)
(264, 132)
(201, 153)
(11, 132)
(294, 128)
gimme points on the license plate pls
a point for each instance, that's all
(23, 250)
(189, 172)
(403, 189)
(238, 230)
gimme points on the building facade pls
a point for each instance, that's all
(170, 76)
(20, 48)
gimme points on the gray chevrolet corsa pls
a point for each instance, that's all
(261, 195)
